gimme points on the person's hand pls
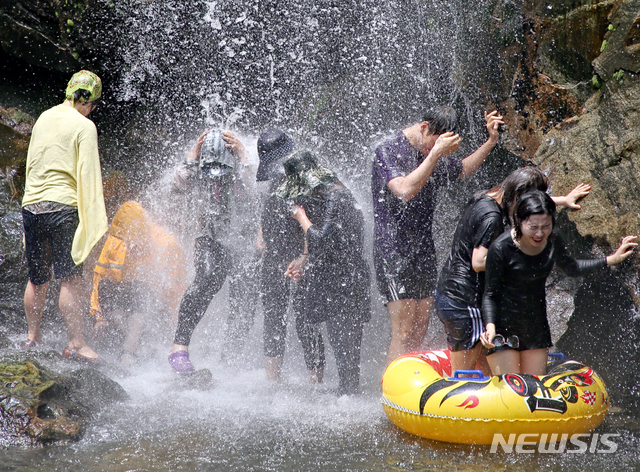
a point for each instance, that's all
(581, 191)
(446, 143)
(295, 271)
(235, 145)
(99, 330)
(194, 155)
(298, 212)
(624, 251)
(493, 125)
(486, 338)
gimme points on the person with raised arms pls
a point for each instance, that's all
(408, 170)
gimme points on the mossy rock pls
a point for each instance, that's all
(39, 406)
(15, 132)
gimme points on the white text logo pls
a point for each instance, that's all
(555, 443)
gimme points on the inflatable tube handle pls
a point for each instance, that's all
(556, 356)
(474, 375)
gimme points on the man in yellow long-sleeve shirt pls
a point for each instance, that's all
(63, 208)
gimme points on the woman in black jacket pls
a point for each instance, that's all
(332, 272)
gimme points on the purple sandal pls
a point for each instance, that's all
(180, 362)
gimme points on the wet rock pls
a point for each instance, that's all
(621, 45)
(5, 342)
(15, 131)
(39, 406)
(602, 148)
(604, 333)
(13, 269)
(569, 41)
(201, 379)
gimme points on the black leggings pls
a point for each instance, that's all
(275, 300)
(345, 336)
(243, 298)
(345, 331)
(212, 265)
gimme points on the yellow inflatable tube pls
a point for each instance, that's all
(420, 397)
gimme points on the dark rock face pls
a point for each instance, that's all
(15, 130)
(33, 31)
(52, 34)
(621, 45)
(38, 406)
(602, 147)
(604, 333)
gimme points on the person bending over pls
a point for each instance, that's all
(141, 272)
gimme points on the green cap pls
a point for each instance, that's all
(303, 174)
(85, 80)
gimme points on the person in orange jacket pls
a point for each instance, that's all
(141, 270)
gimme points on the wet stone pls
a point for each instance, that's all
(39, 406)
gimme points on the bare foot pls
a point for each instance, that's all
(86, 351)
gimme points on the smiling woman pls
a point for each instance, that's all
(518, 264)
(534, 234)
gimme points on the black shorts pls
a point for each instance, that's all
(462, 323)
(415, 283)
(48, 241)
(531, 336)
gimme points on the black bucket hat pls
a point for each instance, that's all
(304, 173)
(273, 147)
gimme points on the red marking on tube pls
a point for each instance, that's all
(471, 402)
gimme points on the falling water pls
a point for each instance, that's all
(338, 76)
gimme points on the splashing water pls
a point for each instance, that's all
(338, 76)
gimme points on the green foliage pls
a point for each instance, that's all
(604, 44)
(611, 28)
(595, 81)
(619, 74)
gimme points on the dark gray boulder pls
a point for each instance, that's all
(39, 406)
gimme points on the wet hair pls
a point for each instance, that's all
(81, 96)
(533, 202)
(442, 120)
(517, 183)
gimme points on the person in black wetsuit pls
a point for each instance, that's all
(459, 291)
(281, 241)
(332, 274)
(518, 263)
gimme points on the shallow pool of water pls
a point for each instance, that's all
(247, 423)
